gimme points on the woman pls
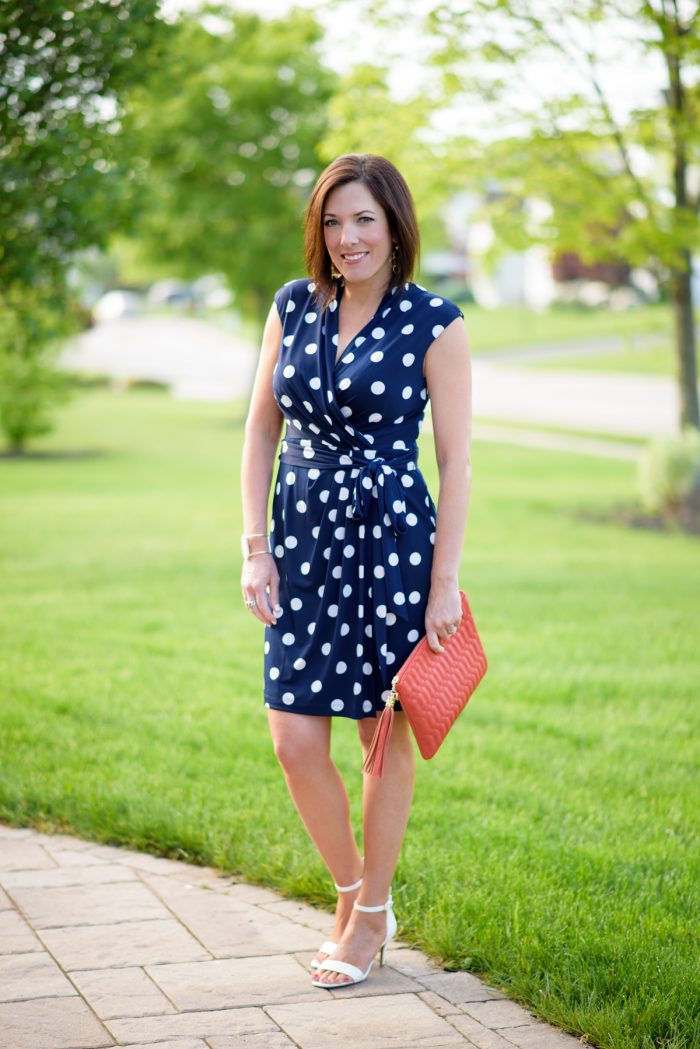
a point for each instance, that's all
(360, 562)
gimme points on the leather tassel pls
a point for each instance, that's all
(374, 762)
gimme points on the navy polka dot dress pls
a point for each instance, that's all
(353, 523)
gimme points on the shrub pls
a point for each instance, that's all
(669, 472)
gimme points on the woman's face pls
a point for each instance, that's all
(357, 235)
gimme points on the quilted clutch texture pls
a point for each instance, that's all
(433, 689)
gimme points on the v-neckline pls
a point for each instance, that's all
(337, 357)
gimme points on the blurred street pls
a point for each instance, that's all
(199, 360)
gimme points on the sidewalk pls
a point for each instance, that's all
(101, 946)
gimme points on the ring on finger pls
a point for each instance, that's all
(251, 603)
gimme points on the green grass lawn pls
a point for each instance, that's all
(644, 360)
(552, 847)
(510, 326)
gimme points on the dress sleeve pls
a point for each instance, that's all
(283, 298)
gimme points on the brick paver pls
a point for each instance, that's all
(101, 946)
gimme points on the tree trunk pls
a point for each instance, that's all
(686, 366)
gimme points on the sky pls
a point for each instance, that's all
(350, 39)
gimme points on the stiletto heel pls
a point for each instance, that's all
(353, 971)
(328, 946)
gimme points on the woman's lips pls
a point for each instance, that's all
(352, 258)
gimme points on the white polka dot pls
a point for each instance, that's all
(378, 333)
(347, 590)
(348, 358)
(266, 647)
(377, 387)
(438, 330)
(326, 648)
(311, 627)
(274, 673)
(310, 318)
(301, 506)
(305, 568)
(406, 481)
(379, 571)
(436, 302)
(287, 697)
(315, 383)
(411, 519)
(398, 506)
(286, 401)
(415, 558)
(279, 551)
(432, 538)
(288, 639)
(290, 542)
(399, 598)
(288, 371)
(366, 668)
(408, 359)
(337, 704)
(287, 340)
(405, 305)
(337, 572)
(412, 635)
(393, 558)
(291, 306)
(381, 611)
(332, 611)
(316, 686)
(359, 340)
(366, 482)
(414, 597)
(340, 667)
(407, 329)
(367, 706)
(375, 417)
(343, 493)
(296, 603)
(291, 477)
(377, 531)
(349, 550)
(390, 618)
(323, 496)
(376, 356)
(343, 384)
(310, 348)
(390, 658)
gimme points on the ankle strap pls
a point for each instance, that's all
(381, 907)
(348, 888)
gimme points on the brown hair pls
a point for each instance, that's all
(388, 186)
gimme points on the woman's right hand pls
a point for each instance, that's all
(260, 580)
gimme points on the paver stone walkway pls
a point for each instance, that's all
(102, 946)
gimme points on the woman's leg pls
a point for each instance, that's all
(387, 804)
(302, 747)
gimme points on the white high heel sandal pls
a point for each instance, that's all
(353, 971)
(328, 946)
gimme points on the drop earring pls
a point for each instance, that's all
(395, 267)
(334, 273)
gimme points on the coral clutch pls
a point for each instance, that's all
(433, 689)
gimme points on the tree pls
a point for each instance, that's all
(62, 72)
(230, 127)
(618, 187)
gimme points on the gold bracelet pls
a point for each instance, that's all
(254, 553)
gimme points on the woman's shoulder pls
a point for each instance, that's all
(293, 294)
(429, 300)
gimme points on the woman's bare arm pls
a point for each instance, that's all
(262, 433)
(448, 375)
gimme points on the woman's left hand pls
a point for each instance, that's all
(443, 614)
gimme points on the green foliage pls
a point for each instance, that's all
(62, 71)
(226, 131)
(669, 472)
(30, 387)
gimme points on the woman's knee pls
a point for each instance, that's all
(300, 745)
